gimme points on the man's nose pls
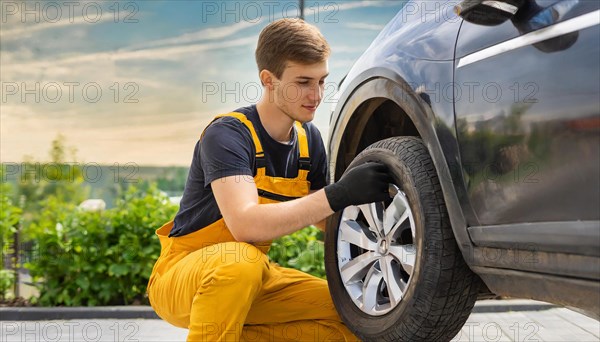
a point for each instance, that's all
(315, 94)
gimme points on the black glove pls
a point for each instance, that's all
(366, 183)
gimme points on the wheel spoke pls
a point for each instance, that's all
(391, 280)
(371, 214)
(405, 255)
(370, 287)
(395, 214)
(358, 267)
(350, 213)
(352, 232)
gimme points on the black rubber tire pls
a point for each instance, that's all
(442, 290)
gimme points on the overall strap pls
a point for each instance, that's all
(261, 163)
(304, 159)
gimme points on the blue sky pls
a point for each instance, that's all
(138, 81)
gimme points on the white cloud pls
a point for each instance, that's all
(322, 7)
(24, 29)
(366, 3)
(365, 26)
(210, 33)
(163, 53)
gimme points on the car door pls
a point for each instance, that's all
(527, 112)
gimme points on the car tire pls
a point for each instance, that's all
(438, 289)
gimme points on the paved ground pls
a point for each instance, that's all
(528, 321)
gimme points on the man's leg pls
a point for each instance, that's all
(211, 290)
(294, 306)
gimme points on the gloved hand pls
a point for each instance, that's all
(366, 183)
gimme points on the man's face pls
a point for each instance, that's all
(300, 90)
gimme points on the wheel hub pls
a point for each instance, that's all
(376, 251)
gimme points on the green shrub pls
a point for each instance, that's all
(78, 257)
(10, 216)
(302, 250)
(97, 258)
(7, 281)
(105, 258)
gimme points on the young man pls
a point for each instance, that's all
(257, 174)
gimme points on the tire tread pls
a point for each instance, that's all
(446, 301)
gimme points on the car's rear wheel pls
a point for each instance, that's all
(394, 269)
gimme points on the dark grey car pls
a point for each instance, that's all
(492, 132)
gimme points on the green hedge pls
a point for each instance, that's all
(302, 250)
(105, 258)
(10, 216)
(97, 258)
(78, 257)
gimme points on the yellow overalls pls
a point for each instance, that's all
(225, 290)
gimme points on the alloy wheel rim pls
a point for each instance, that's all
(376, 252)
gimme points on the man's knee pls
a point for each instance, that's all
(237, 260)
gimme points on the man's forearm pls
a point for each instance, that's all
(253, 222)
(269, 221)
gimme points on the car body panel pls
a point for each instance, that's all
(539, 141)
(528, 123)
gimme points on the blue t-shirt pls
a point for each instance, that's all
(227, 149)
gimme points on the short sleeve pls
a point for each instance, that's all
(318, 171)
(226, 149)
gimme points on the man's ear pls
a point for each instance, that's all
(266, 78)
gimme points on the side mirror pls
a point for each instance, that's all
(527, 16)
(532, 17)
(488, 12)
